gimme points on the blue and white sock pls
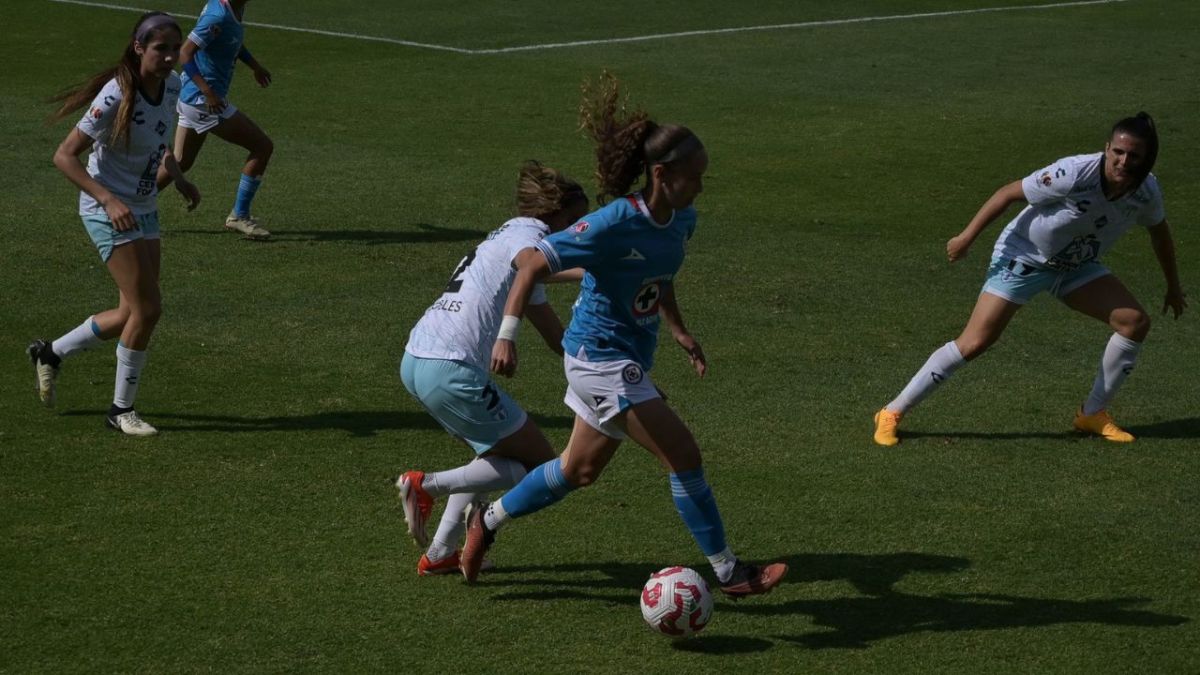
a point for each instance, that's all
(129, 373)
(696, 505)
(937, 369)
(1116, 365)
(540, 488)
(247, 188)
(84, 336)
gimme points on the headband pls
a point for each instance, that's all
(151, 24)
(683, 149)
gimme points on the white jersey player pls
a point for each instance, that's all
(1078, 207)
(447, 360)
(127, 126)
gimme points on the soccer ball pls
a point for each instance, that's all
(676, 602)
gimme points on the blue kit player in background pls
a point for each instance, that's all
(630, 251)
(208, 58)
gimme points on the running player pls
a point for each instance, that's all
(1078, 207)
(446, 361)
(131, 111)
(209, 55)
(630, 250)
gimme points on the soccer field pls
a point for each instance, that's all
(260, 530)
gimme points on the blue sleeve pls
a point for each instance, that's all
(207, 28)
(583, 244)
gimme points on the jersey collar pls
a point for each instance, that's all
(640, 203)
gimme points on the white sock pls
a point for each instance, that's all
(450, 530)
(723, 564)
(129, 372)
(495, 516)
(1115, 366)
(483, 474)
(84, 336)
(941, 365)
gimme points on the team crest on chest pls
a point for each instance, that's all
(645, 301)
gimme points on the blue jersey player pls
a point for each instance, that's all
(208, 58)
(630, 250)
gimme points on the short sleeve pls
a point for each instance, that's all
(97, 122)
(538, 296)
(1049, 184)
(581, 245)
(1152, 212)
(207, 29)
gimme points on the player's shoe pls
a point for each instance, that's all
(886, 422)
(448, 565)
(1101, 424)
(247, 226)
(750, 579)
(479, 540)
(418, 505)
(47, 375)
(131, 424)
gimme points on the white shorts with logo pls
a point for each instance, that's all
(599, 391)
(199, 118)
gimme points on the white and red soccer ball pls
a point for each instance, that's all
(676, 602)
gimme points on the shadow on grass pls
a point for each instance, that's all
(360, 424)
(951, 436)
(1184, 428)
(426, 234)
(877, 613)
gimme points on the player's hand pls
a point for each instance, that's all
(694, 352)
(119, 215)
(191, 194)
(213, 102)
(1176, 299)
(504, 357)
(957, 247)
(262, 76)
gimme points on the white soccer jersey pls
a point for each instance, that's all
(1069, 221)
(128, 171)
(463, 323)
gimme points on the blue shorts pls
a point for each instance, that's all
(106, 237)
(1017, 282)
(463, 399)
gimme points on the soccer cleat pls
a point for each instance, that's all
(1101, 424)
(417, 505)
(47, 374)
(131, 424)
(447, 565)
(479, 540)
(886, 422)
(748, 579)
(248, 226)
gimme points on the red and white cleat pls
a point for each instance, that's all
(417, 505)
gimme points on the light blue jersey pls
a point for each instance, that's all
(629, 261)
(219, 35)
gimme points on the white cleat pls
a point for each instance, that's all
(248, 227)
(47, 375)
(131, 424)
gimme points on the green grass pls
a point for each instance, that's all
(259, 532)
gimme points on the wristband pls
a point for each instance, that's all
(508, 328)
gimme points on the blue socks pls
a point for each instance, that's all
(540, 488)
(247, 187)
(696, 505)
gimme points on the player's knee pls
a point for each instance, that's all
(266, 147)
(1132, 323)
(581, 475)
(973, 346)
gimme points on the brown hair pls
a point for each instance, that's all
(1140, 126)
(542, 190)
(127, 72)
(627, 142)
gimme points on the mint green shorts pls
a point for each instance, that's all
(106, 237)
(1017, 282)
(464, 399)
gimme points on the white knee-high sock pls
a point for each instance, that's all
(450, 530)
(941, 365)
(84, 336)
(129, 373)
(1116, 364)
(483, 474)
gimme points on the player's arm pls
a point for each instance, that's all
(992, 209)
(572, 275)
(187, 60)
(532, 267)
(1164, 250)
(261, 75)
(66, 160)
(191, 194)
(668, 309)
(548, 325)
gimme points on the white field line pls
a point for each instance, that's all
(638, 38)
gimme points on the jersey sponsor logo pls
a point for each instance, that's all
(632, 373)
(580, 227)
(645, 301)
(1082, 249)
(634, 254)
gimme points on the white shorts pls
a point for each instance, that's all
(199, 118)
(599, 391)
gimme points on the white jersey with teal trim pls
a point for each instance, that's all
(1069, 221)
(128, 171)
(463, 323)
